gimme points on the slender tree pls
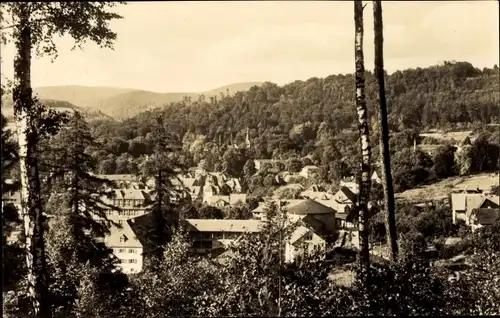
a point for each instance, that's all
(165, 197)
(34, 24)
(390, 216)
(31, 203)
(364, 134)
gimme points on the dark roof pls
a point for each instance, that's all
(486, 216)
(311, 222)
(349, 194)
(308, 206)
(140, 226)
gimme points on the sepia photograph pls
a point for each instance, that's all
(250, 158)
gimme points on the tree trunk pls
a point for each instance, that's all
(365, 182)
(31, 204)
(390, 217)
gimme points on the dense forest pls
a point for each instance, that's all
(313, 121)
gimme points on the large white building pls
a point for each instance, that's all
(131, 203)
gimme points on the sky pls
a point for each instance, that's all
(198, 46)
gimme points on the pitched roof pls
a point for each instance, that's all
(331, 203)
(187, 182)
(316, 194)
(216, 198)
(210, 225)
(299, 233)
(130, 194)
(308, 206)
(122, 237)
(469, 201)
(485, 216)
(313, 223)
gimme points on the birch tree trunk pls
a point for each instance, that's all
(31, 205)
(389, 203)
(364, 133)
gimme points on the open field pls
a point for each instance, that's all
(458, 136)
(443, 188)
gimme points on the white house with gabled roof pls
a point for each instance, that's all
(126, 247)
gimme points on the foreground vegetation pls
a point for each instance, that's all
(253, 280)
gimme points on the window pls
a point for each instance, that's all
(132, 261)
(123, 238)
(131, 250)
(308, 237)
(122, 250)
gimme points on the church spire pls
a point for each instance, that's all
(247, 140)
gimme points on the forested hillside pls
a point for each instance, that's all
(314, 118)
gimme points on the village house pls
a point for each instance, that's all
(304, 240)
(344, 198)
(211, 235)
(475, 209)
(214, 236)
(130, 203)
(221, 201)
(316, 195)
(126, 247)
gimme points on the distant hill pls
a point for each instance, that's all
(84, 96)
(88, 113)
(125, 103)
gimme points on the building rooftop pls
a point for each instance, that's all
(202, 225)
(485, 216)
(308, 206)
(122, 237)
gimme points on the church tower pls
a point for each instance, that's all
(247, 140)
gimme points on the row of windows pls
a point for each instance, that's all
(124, 250)
(128, 202)
(126, 212)
(215, 235)
(129, 261)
